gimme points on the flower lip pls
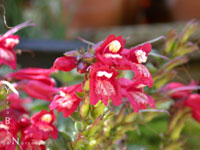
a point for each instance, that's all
(11, 42)
(109, 55)
(114, 46)
(6, 55)
(104, 73)
(47, 118)
(65, 101)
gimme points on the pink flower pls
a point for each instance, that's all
(7, 54)
(67, 101)
(138, 54)
(7, 42)
(32, 139)
(142, 75)
(16, 106)
(104, 85)
(38, 74)
(193, 101)
(38, 89)
(44, 122)
(65, 63)
(136, 96)
(181, 93)
(109, 52)
(41, 128)
(8, 134)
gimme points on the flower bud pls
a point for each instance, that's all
(65, 63)
(81, 67)
(84, 109)
(24, 121)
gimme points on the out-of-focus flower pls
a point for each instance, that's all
(193, 101)
(36, 132)
(24, 121)
(39, 74)
(180, 93)
(65, 63)
(104, 85)
(8, 41)
(32, 139)
(67, 101)
(44, 121)
(16, 106)
(8, 134)
(7, 54)
(136, 96)
(38, 89)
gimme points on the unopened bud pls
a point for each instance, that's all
(82, 67)
(84, 109)
(24, 121)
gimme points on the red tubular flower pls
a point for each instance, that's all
(65, 63)
(109, 52)
(16, 107)
(38, 74)
(7, 42)
(38, 89)
(136, 96)
(8, 134)
(7, 54)
(44, 122)
(138, 54)
(32, 139)
(104, 85)
(193, 101)
(67, 101)
(179, 94)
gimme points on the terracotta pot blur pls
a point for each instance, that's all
(183, 10)
(97, 13)
(93, 13)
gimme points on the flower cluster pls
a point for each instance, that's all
(102, 66)
(184, 93)
(34, 131)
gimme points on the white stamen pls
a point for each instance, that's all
(109, 55)
(114, 46)
(104, 73)
(46, 118)
(141, 56)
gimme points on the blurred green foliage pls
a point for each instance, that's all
(45, 14)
